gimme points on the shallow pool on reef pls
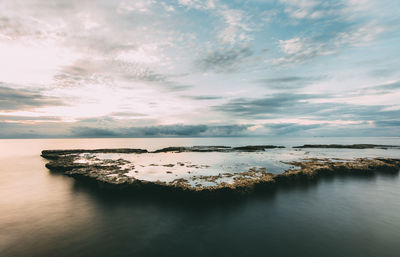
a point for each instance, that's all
(169, 166)
(194, 166)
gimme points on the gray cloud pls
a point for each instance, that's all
(348, 130)
(28, 118)
(286, 103)
(105, 72)
(224, 60)
(289, 105)
(289, 128)
(388, 87)
(65, 130)
(288, 82)
(377, 89)
(23, 99)
(204, 97)
(162, 131)
(32, 130)
(92, 132)
(388, 123)
(127, 114)
(383, 72)
(298, 50)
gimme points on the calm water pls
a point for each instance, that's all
(45, 214)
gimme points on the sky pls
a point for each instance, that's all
(165, 68)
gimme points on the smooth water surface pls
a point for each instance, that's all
(47, 214)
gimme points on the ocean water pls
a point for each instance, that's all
(48, 214)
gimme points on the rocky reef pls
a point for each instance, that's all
(117, 173)
(55, 154)
(248, 148)
(353, 146)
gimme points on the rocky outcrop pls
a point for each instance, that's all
(252, 148)
(180, 149)
(109, 172)
(54, 154)
(354, 146)
(248, 148)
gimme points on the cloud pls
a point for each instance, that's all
(389, 86)
(310, 9)
(204, 97)
(388, 123)
(224, 60)
(301, 49)
(298, 50)
(236, 29)
(336, 130)
(290, 128)
(27, 28)
(383, 72)
(162, 131)
(282, 103)
(108, 72)
(143, 6)
(127, 114)
(92, 132)
(198, 4)
(360, 35)
(233, 26)
(122, 65)
(28, 119)
(32, 129)
(289, 82)
(381, 89)
(296, 105)
(23, 99)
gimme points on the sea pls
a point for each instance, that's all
(49, 214)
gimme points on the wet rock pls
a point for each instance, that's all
(248, 148)
(55, 154)
(180, 149)
(252, 148)
(354, 146)
(110, 172)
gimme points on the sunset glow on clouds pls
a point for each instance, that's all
(199, 68)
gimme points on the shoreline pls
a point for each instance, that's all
(111, 175)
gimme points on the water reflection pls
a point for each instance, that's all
(45, 214)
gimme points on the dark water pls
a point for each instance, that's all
(45, 214)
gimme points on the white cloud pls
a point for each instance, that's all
(198, 4)
(143, 6)
(88, 22)
(298, 50)
(168, 8)
(361, 35)
(32, 64)
(300, 9)
(144, 54)
(236, 29)
(291, 46)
